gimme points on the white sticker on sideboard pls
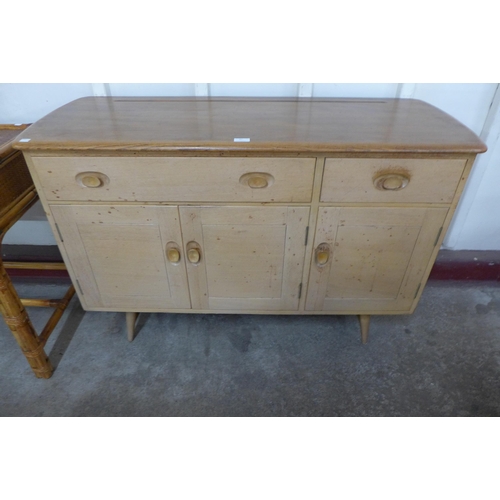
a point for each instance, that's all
(24, 140)
(242, 139)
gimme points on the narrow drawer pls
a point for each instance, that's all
(176, 179)
(372, 180)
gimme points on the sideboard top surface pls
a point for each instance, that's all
(267, 125)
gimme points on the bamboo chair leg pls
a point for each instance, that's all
(20, 325)
(57, 314)
(364, 322)
(131, 319)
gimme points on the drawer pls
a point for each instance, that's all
(372, 180)
(160, 179)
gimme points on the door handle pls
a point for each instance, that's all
(193, 252)
(173, 252)
(322, 254)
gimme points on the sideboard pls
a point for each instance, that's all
(258, 206)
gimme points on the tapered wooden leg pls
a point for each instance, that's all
(131, 319)
(18, 321)
(364, 322)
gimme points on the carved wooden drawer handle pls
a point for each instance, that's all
(322, 254)
(391, 182)
(193, 252)
(173, 255)
(194, 256)
(173, 252)
(257, 180)
(92, 179)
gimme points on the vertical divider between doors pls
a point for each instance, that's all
(313, 219)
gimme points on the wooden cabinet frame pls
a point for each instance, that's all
(331, 207)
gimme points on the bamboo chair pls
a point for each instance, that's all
(17, 195)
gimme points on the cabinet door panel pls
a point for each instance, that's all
(256, 260)
(118, 255)
(377, 257)
(251, 257)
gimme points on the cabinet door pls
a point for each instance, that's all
(371, 259)
(250, 258)
(119, 255)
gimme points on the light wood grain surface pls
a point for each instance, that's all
(126, 248)
(290, 206)
(378, 256)
(176, 179)
(267, 125)
(353, 180)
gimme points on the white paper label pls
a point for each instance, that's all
(24, 140)
(242, 139)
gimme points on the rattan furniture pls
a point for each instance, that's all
(17, 195)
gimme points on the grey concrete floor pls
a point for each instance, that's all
(444, 360)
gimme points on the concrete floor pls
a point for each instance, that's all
(444, 360)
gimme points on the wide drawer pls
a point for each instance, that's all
(386, 180)
(160, 179)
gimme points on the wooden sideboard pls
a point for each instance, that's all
(266, 206)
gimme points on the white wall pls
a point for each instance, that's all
(28, 102)
(476, 225)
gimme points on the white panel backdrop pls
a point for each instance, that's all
(476, 225)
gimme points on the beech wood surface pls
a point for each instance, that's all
(323, 206)
(364, 322)
(354, 180)
(175, 179)
(272, 126)
(378, 257)
(131, 319)
(245, 257)
(126, 249)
